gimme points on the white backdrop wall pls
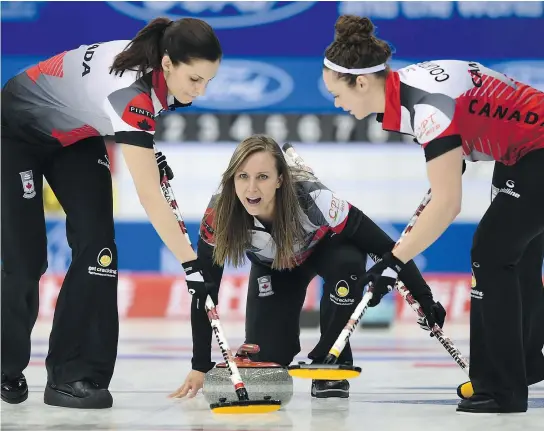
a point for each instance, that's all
(386, 181)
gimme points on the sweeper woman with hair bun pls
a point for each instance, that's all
(463, 111)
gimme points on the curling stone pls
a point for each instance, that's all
(263, 380)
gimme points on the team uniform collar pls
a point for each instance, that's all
(161, 90)
(390, 119)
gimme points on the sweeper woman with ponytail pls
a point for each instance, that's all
(54, 119)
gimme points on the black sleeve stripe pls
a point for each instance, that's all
(139, 139)
(440, 146)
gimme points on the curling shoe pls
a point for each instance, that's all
(14, 390)
(486, 404)
(77, 395)
(330, 389)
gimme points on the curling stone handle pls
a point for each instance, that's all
(242, 394)
(246, 349)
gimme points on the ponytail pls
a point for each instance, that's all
(183, 40)
(145, 50)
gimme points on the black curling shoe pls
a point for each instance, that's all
(14, 390)
(486, 404)
(77, 395)
(330, 388)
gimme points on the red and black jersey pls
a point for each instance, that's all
(438, 102)
(75, 95)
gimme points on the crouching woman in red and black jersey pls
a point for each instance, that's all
(463, 110)
(292, 228)
(54, 119)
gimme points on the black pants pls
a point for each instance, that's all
(275, 300)
(83, 340)
(507, 301)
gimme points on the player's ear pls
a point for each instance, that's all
(362, 83)
(166, 63)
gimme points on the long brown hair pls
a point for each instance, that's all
(233, 224)
(183, 40)
(355, 47)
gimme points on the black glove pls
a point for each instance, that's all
(434, 314)
(383, 275)
(164, 169)
(197, 286)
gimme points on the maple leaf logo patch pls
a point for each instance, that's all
(144, 125)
